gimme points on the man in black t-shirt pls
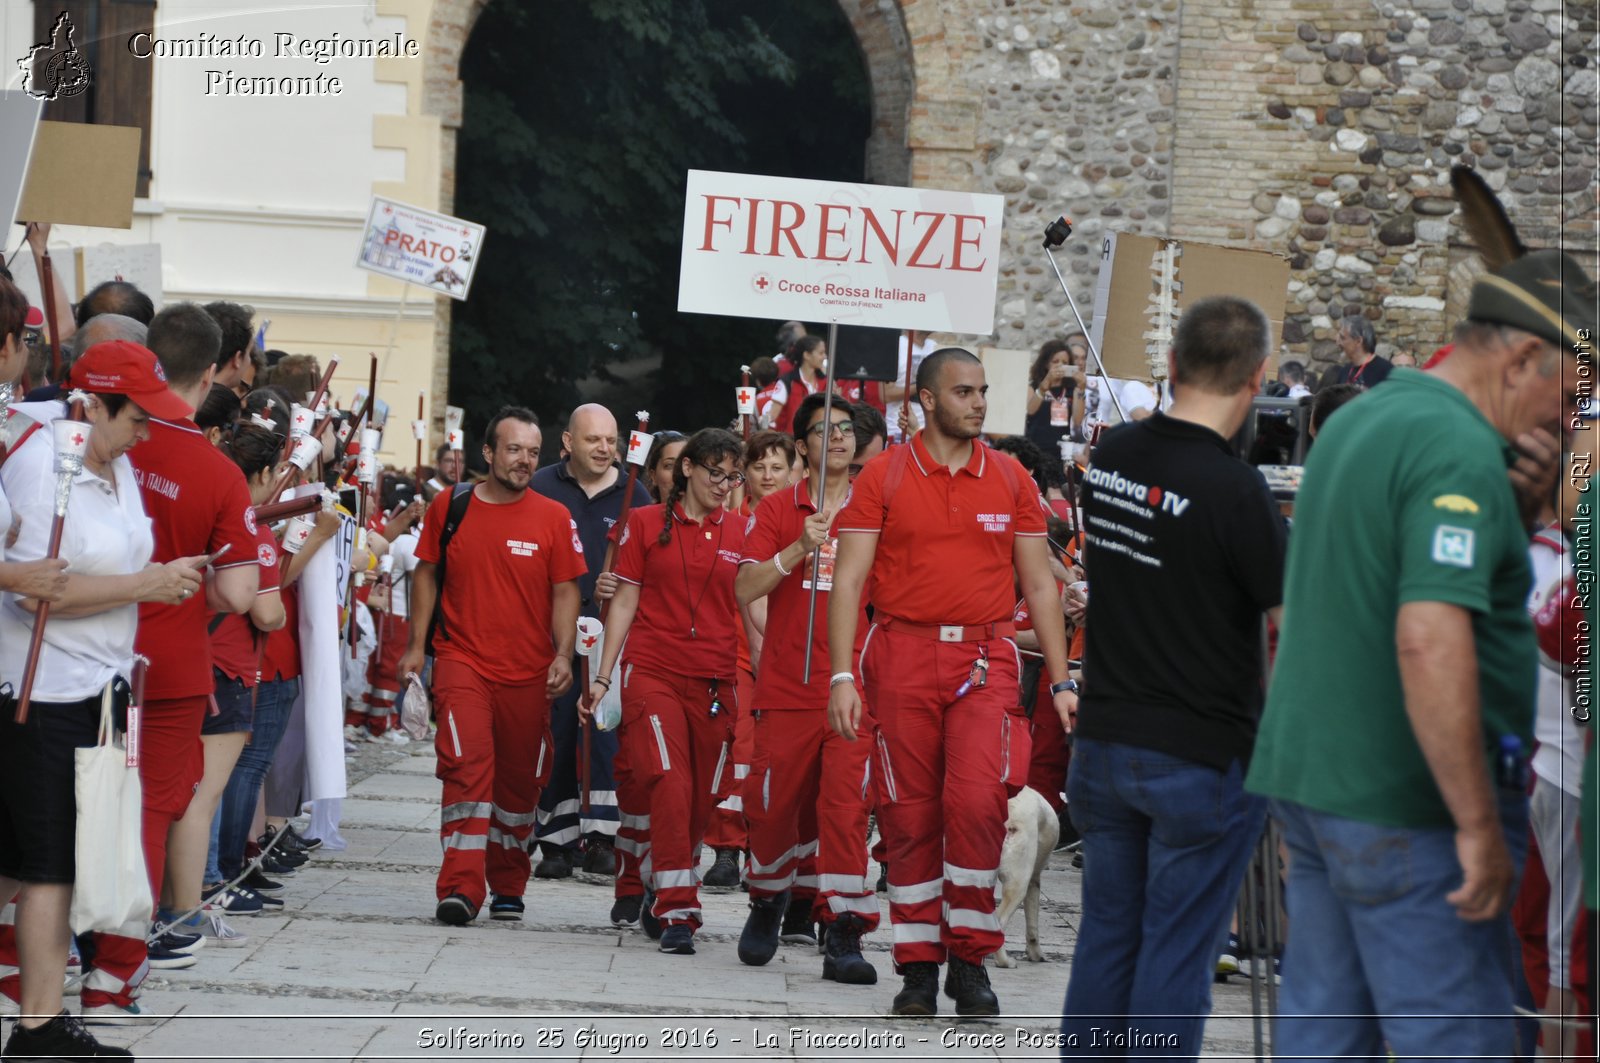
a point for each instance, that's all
(1184, 553)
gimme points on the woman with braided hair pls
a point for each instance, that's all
(676, 565)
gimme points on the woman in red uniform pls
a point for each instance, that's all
(676, 565)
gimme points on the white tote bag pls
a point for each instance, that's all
(112, 887)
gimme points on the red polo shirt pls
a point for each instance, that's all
(197, 502)
(504, 560)
(281, 659)
(944, 544)
(237, 648)
(779, 520)
(687, 613)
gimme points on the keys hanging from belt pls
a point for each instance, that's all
(978, 677)
(716, 702)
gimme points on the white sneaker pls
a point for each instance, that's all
(399, 738)
(217, 931)
(352, 733)
(109, 1014)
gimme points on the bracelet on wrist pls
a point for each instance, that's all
(842, 677)
(604, 681)
(1066, 686)
(777, 563)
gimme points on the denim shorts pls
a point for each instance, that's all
(235, 708)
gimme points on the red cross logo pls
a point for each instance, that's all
(77, 439)
(761, 282)
(589, 642)
(633, 442)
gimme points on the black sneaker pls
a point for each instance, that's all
(276, 863)
(1068, 838)
(63, 1037)
(723, 874)
(625, 911)
(308, 844)
(176, 940)
(678, 939)
(258, 881)
(968, 985)
(557, 863)
(758, 942)
(269, 904)
(647, 918)
(162, 959)
(599, 856)
(455, 910)
(797, 926)
(508, 909)
(921, 993)
(841, 959)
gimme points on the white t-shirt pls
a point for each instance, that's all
(1133, 394)
(1559, 758)
(404, 552)
(106, 534)
(918, 353)
(1298, 391)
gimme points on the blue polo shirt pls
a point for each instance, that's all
(594, 516)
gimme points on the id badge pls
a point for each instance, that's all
(1060, 413)
(823, 572)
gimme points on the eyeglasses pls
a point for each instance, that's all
(717, 476)
(845, 429)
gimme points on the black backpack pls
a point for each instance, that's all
(460, 498)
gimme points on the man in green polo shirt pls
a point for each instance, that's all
(1400, 716)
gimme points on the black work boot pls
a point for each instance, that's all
(759, 940)
(968, 985)
(599, 856)
(841, 958)
(798, 929)
(724, 873)
(921, 993)
(557, 862)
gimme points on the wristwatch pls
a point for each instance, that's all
(1069, 686)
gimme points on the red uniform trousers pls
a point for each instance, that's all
(115, 970)
(633, 826)
(1047, 766)
(810, 792)
(1528, 918)
(171, 763)
(494, 755)
(382, 682)
(680, 757)
(728, 828)
(945, 767)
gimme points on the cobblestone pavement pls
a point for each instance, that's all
(355, 968)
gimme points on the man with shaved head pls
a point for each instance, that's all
(590, 484)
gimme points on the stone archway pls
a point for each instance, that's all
(924, 120)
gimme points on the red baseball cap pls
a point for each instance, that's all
(124, 368)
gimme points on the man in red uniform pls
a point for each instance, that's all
(941, 525)
(502, 650)
(808, 788)
(198, 503)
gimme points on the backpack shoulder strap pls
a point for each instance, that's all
(899, 460)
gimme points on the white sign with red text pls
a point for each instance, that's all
(420, 246)
(779, 248)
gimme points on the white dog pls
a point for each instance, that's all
(1032, 830)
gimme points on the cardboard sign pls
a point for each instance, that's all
(1006, 373)
(777, 248)
(82, 175)
(1128, 283)
(19, 121)
(138, 264)
(411, 244)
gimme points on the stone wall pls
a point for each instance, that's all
(1319, 130)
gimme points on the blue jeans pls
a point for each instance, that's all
(1165, 845)
(273, 701)
(1375, 947)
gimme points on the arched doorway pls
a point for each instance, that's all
(882, 39)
